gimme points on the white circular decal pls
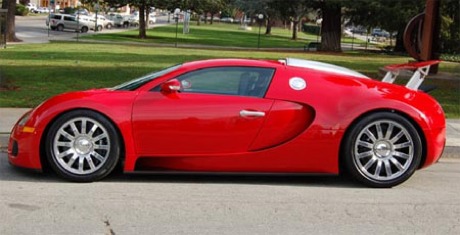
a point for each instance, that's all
(297, 83)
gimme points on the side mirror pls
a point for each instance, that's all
(171, 86)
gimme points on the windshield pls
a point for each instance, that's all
(138, 82)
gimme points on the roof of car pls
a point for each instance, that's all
(290, 62)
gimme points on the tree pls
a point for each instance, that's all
(392, 16)
(10, 5)
(295, 10)
(213, 7)
(450, 29)
(266, 7)
(142, 5)
(197, 6)
(331, 30)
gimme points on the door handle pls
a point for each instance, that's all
(247, 113)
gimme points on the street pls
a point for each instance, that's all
(33, 29)
(34, 203)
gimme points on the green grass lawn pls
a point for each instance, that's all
(218, 34)
(32, 73)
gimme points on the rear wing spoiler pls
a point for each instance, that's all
(421, 70)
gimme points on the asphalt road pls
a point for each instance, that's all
(33, 29)
(33, 203)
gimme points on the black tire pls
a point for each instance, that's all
(84, 29)
(60, 27)
(109, 26)
(82, 146)
(382, 150)
(99, 28)
(125, 24)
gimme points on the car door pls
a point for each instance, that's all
(70, 22)
(218, 111)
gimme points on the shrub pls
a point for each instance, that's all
(451, 57)
(21, 10)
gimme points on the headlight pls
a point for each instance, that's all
(23, 120)
(22, 123)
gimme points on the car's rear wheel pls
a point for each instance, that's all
(99, 28)
(84, 29)
(60, 27)
(82, 146)
(109, 26)
(382, 150)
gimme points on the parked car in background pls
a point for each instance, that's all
(152, 18)
(358, 30)
(61, 22)
(41, 10)
(91, 22)
(227, 19)
(134, 19)
(31, 7)
(119, 20)
(106, 23)
(82, 11)
(380, 33)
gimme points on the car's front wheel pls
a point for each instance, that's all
(382, 150)
(82, 146)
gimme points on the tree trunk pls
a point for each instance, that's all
(270, 23)
(142, 31)
(331, 31)
(10, 20)
(399, 45)
(205, 18)
(198, 22)
(212, 18)
(295, 24)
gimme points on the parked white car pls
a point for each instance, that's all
(107, 23)
(91, 22)
(119, 20)
(61, 22)
(41, 10)
(134, 19)
(31, 7)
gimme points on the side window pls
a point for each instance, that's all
(69, 18)
(243, 81)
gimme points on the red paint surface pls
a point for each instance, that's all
(301, 131)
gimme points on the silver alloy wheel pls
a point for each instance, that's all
(81, 146)
(383, 150)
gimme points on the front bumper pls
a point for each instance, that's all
(24, 149)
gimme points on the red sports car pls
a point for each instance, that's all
(239, 116)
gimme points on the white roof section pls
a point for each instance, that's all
(310, 64)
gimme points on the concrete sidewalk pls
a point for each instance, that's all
(9, 116)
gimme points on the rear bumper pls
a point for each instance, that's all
(435, 142)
